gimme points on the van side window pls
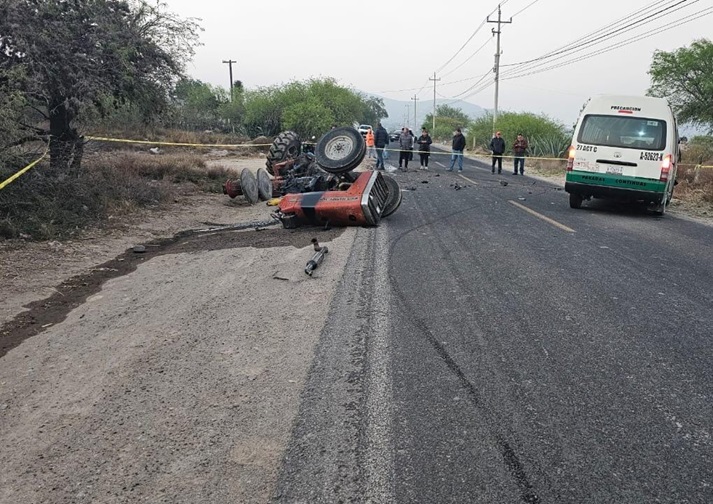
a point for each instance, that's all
(623, 132)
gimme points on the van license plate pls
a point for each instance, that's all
(616, 170)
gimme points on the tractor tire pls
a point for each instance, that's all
(285, 146)
(393, 202)
(264, 185)
(340, 150)
(248, 183)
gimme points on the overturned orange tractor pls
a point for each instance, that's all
(342, 197)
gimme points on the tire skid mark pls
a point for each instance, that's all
(510, 458)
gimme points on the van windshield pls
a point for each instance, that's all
(624, 132)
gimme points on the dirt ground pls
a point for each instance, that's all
(171, 374)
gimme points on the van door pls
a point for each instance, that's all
(621, 145)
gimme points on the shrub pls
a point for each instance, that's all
(546, 137)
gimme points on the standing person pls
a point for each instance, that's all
(381, 140)
(519, 148)
(424, 147)
(497, 145)
(371, 152)
(457, 149)
(413, 143)
(405, 146)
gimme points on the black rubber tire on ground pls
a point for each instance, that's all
(285, 146)
(393, 202)
(264, 185)
(575, 200)
(248, 182)
(340, 150)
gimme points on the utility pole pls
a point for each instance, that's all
(230, 66)
(406, 114)
(415, 121)
(496, 68)
(433, 128)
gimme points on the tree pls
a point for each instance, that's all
(309, 107)
(67, 56)
(685, 77)
(197, 104)
(447, 120)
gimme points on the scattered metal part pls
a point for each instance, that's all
(233, 227)
(503, 183)
(139, 249)
(317, 258)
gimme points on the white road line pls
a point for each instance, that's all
(469, 180)
(543, 217)
(440, 164)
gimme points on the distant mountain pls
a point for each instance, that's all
(397, 110)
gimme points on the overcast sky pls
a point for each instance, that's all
(391, 48)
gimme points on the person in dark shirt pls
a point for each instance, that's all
(457, 149)
(519, 148)
(381, 140)
(497, 145)
(424, 147)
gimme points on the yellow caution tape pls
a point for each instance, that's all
(489, 156)
(178, 144)
(18, 174)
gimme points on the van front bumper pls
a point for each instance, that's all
(605, 185)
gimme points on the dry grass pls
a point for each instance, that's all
(695, 187)
(45, 206)
(547, 167)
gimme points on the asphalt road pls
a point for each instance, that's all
(488, 344)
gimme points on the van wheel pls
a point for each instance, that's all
(660, 209)
(575, 200)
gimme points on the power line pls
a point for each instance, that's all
(525, 8)
(467, 59)
(540, 62)
(516, 72)
(679, 22)
(593, 36)
(471, 36)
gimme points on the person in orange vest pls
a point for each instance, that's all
(370, 150)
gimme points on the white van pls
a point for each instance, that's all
(625, 148)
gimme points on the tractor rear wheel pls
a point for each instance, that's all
(340, 150)
(285, 146)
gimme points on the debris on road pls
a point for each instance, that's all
(503, 183)
(317, 258)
